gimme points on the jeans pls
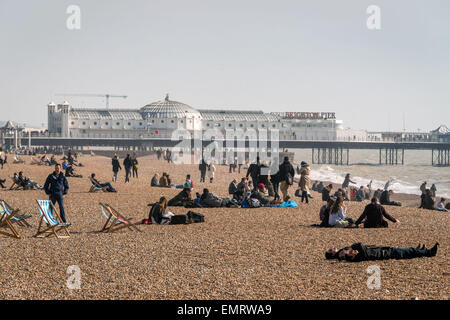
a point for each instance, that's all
(135, 172)
(202, 176)
(127, 175)
(115, 176)
(305, 196)
(108, 186)
(408, 253)
(276, 185)
(58, 197)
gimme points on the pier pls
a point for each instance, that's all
(323, 152)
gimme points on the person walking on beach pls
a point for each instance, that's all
(286, 176)
(203, 166)
(56, 186)
(127, 163)
(135, 163)
(304, 180)
(115, 167)
(211, 170)
(347, 181)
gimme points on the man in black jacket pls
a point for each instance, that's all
(115, 167)
(127, 163)
(56, 186)
(286, 177)
(254, 171)
(374, 213)
(203, 166)
(360, 252)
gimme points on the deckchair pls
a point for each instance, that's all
(115, 221)
(34, 161)
(18, 218)
(6, 219)
(15, 185)
(17, 159)
(95, 188)
(50, 218)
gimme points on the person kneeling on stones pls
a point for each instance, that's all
(360, 252)
(373, 215)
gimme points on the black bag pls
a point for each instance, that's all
(179, 219)
(289, 179)
(195, 217)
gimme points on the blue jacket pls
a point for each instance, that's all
(56, 184)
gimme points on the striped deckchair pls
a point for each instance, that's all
(115, 221)
(95, 188)
(51, 220)
(6, 219)
(18, 218)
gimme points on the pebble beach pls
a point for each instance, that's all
(263, 253)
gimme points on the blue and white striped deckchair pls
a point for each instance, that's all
(6, 219)
(114, 220)
(5, 208)
(95, 188)
(52, 224)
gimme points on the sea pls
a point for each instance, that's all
(364, 166)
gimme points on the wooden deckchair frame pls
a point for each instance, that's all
(5, 221)
(15, 185)
(48, 230)
(20, 218)
(94, 188)
(116, 221)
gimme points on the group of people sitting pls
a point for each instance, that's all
(25, 182)
(334, 214)
(166, 182)
(427, 199)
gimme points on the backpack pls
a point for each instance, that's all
(195, 217)
(254, 203)
(179, 219)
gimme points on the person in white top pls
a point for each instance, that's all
(441, 205)
(338, 213)
(211, 170)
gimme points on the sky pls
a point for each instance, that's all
(316, 56)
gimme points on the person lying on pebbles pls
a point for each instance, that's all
(360, 252)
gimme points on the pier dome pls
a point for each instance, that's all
(169, 109)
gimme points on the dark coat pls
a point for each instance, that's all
(116, 165)
(285, 169)
(56, 184)
(374, 214)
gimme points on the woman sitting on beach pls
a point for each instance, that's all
(157, 214)
(337, 215)
(324, 213)
(154, 181)
(441, 205)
